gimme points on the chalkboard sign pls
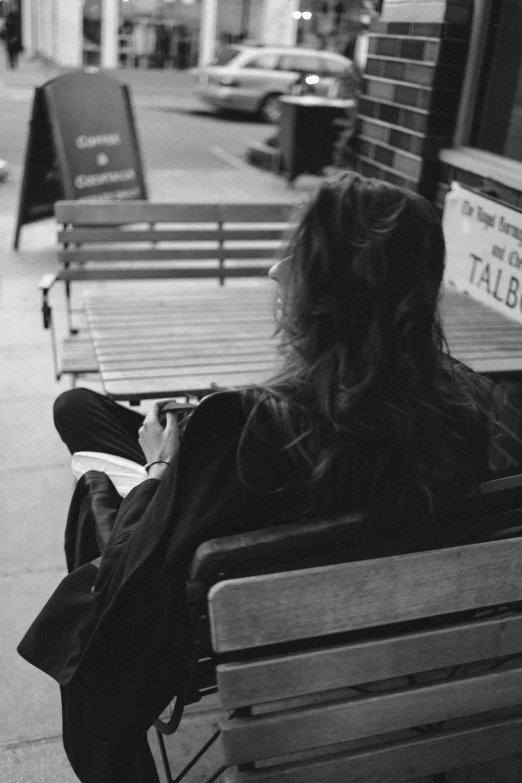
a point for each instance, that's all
(82, 145)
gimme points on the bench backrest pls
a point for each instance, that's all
(306, 652)
(140, 239)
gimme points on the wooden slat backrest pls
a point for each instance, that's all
(413, 758)
(189, 253)
(304, 695)
(246, 683)
(344, 720)
(118, 213)
(136, 240)
(106, 272)
(320, 601)
(198, 232)
(121, 212)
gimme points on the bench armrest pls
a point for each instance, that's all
(47, 282)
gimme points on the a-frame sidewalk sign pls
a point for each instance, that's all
(82, 145)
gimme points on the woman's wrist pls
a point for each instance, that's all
(157, 469)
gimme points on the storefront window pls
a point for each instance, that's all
(498, 123)
(151, 34)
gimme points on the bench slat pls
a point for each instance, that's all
(175, 329)
(189, 313)
(96, 235)
(288, 676)
(263, 737)
(350, 596)
(116, 213)
(102, 256)
(227, 364)
(113, 345)
(112, 330)
(180, 383)
(182, 296)
(129, 355)
(194, 333)
(398, 761)
(143, 273)
(490, 364)
(125, 367)
(256, 213)
(212, 349)
(174, 323)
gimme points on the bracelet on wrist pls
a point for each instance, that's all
(155, 462)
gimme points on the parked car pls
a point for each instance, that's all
(252, 79)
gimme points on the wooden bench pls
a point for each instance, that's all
(391, 667)
(139, 240)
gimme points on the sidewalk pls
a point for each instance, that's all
(35, 478)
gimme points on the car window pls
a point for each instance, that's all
(226, 55)
(334, 67)
(265, 61)
(303, 63)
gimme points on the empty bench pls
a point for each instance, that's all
(403, 663)
(139, 240)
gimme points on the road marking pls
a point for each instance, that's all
(232, 159)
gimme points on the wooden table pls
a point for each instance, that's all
(479, 336)
(165, 345)
(182, 341)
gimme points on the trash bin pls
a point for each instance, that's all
(308, 132)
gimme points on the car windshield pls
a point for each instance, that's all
(226, 55)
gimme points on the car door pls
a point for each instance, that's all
(255, 80)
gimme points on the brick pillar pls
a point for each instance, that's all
(414, 73)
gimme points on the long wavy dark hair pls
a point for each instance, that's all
(370, 406)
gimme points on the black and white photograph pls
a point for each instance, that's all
(261, 391)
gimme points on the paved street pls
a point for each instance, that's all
(176, 130)
(189, 155)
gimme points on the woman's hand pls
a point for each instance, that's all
(158, 443)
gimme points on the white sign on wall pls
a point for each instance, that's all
(278, 26)
(484, 249)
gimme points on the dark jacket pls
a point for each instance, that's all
(116, 627)
(118, 623)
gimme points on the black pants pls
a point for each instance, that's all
(88, 421)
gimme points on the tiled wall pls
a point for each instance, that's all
(408, 111)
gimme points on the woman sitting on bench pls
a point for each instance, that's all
(368, 412)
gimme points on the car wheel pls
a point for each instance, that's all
(270, 110)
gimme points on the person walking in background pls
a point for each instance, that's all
(13, 38)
